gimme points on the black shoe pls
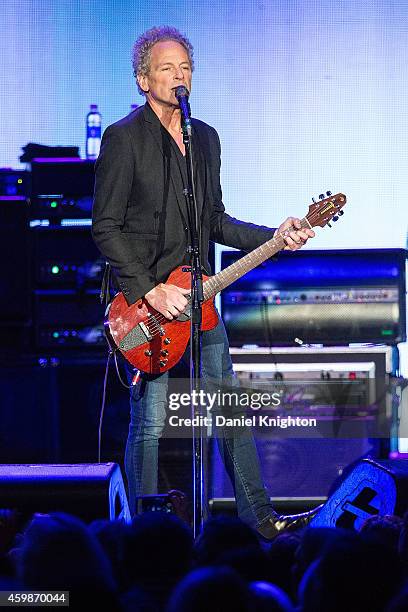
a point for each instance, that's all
(286, 523)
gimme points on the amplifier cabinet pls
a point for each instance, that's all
(318, 297)
(65, 258)
(67, 318)
(307, 465)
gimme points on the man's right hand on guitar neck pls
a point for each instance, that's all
(169, 300)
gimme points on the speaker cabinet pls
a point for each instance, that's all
(50, 408)
(294, 467)
(90, 491)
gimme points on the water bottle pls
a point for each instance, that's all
(93, 132)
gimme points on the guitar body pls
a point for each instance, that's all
(149, 341)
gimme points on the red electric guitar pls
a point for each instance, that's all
(154, 344)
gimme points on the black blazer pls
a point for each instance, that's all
(140, 213)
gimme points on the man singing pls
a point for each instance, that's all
(140, 225)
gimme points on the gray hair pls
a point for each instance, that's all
(142, 49)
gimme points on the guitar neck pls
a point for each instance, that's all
(223, 279)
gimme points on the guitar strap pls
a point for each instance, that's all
(105, 295)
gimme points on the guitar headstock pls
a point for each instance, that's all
(326, 209)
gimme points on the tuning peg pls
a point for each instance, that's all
(335, 219)
(314, 201)
(328, 193)
(321, 196)
(328, 225)
(340, 213)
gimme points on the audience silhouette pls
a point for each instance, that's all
(154, 565)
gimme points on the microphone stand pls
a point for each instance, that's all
(197, 298)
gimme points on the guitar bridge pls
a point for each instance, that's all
(146, 331)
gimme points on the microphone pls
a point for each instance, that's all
(182, 95)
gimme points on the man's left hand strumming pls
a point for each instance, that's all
(294, 235)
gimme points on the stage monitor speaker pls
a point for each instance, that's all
(371, 488)
(87, 490)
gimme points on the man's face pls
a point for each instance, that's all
(169, 68)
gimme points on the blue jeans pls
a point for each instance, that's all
(148, 403)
